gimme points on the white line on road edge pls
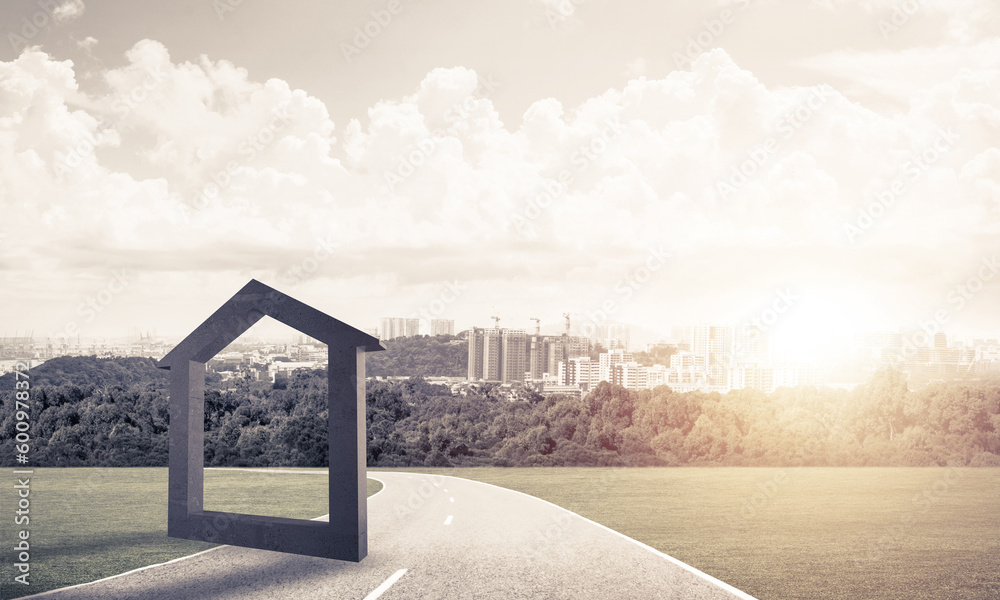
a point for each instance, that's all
(386, 585)
(382, 489)
(320, 518)
(70, 587)
(327, 472)
(448, 520)
(722, 584)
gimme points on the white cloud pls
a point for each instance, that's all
(87, 43)
(912, 73)
(69, 10)
(434, 186)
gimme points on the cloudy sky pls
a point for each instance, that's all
(652, 162)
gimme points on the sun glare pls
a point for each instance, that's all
(815, 328)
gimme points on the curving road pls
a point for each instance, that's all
(433, 537)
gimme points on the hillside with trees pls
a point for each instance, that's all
(114, 412)
(420, 356)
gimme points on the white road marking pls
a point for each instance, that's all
(386, 585)
(140, 569)
(712, 580)
(445, 489)
(448, 520)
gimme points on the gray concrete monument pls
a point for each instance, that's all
(345, 536)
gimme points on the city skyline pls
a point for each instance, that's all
(647, 334)
(842, 167)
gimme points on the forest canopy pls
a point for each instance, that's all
(114, 412)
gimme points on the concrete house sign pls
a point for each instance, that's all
(345, 536)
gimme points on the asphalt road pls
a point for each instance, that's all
(433, 537)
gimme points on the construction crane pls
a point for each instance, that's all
(538, 324)
(496, 321)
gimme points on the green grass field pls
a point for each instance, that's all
(90, 523)
(814, 533)
(796, 534)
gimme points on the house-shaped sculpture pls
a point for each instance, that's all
(345, 536)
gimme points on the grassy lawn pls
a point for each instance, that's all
(789, 534)
(90, 523)
(776, 533)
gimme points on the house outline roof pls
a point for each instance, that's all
(249, 305)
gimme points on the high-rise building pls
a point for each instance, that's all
(484, 354)
(607, 362)
(579, 371)
(613, 336)
(687, 360)
(513, 355)
(442, 327)
(940, 340)
(630, 375)
(751, 344)
(769, 378)
(538, 364)
(715, 343)
(498, 354)
(387, 330)
(545, 352)
(411, 327)
(618, 336)
(656, 375)
(395, 327)
(681, 334)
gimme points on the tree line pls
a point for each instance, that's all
(420, 356)
(114, 412)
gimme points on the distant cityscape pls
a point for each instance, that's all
(713, 358)
(706, 357)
